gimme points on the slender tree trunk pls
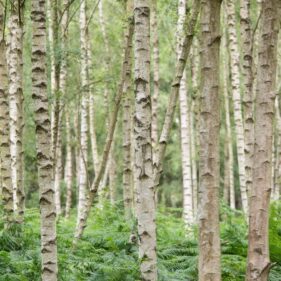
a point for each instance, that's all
(154, 100)
(92, 127)
(63, 90)
(277, 181)
(259, 265)
(58, 172)
(247, 51)
(5, 156)
(145, 204)
(113, 120)
(184, 125)
(112, 178)
(195, 67)
(235, 84)
(193, 160)
(83, 155)
(209, 233)
(43, 143)
(127, 132)
(229, 185)
(68, 165)
(15, 67)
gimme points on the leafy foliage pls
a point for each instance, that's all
(106, 253)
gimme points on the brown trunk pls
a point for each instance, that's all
(209, 232)
(259, 265)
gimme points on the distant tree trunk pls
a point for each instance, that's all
(259, 265)
(5, 156)
(127, 132)
(83, 151)
(195, 67)
(58, 172)
(112, 178)
(92, 127)
(247, 55)
(154, 100)
(145, 204)
(63, 90)
(193, 146)
(229, 191)
(277, 179)
(68, 165)
(77, 138)
(209, 232)
(235, 84)
(15, 67)
(43, 143)
(184, 125)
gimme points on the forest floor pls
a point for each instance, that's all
(106, 253)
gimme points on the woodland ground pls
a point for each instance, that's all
(106, 254)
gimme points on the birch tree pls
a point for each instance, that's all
(43, 143)
(209, 233)
(247, 63)
(184, 125)
(235, 85)
(16, 105)
(145, 203)
(83, 179)
(63, 90)
(127, 131)
(5, 156)
(229, 190)
(259, 265)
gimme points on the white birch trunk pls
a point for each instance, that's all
(235, 84)
(16, 107)
(5, 156)
(184, 125)
(49, 268)
(145, 203)
(83, 153)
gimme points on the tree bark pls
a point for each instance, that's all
(209, 233)
(229, 190)
(15, 67)
(43, 143)
(127, 132)
(154, 100)
(83, 155)
(68, 165)
(5, 156)
(277, 178)
(143, 162)
(235, 84)
(247, 55)
(184, 125)
(259, 265)
(195, 67)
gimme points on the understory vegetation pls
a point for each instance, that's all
(108, 251)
